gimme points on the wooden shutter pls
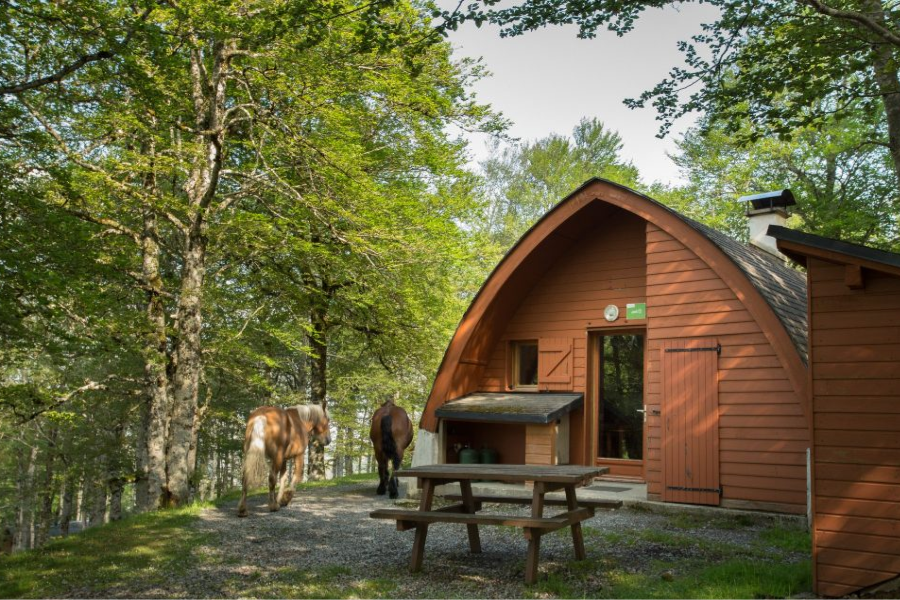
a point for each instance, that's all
(555, 364)
(690, 421)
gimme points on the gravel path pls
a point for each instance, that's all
(325, 541)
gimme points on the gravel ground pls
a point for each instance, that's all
(327, 534)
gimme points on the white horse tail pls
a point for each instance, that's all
(255, 468)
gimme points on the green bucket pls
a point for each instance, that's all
(469, 456)
(488, 456)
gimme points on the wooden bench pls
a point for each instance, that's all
(410, 519)
(545, 479)
(595, 503)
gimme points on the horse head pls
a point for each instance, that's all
(322, 429)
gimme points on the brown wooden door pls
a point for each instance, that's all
(690, 420)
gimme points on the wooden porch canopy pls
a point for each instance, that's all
(521, 407)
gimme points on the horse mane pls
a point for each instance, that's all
(311, 413)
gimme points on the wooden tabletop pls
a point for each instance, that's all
(567, 474)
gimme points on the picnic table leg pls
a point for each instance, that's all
(577, 535)
(418, 550)
(465, 486)
(534, 535)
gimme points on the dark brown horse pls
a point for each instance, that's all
(278, 435)
(391, 434)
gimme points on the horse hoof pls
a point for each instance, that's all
(394, 495)
(242, 512)
(273, 508)
(381, 490)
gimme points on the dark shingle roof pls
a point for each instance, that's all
(511, 407)
(782, 287)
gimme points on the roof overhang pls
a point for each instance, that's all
(511, 407)
(799, 245)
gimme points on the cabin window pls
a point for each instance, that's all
(524, 365)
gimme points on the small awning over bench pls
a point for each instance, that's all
(511, 407)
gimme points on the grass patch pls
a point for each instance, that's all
(331, 582)
(148, 548)
(306, 485)
(731, 580)
(787, 539)
(689, 521)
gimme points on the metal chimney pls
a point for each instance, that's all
(768, 208)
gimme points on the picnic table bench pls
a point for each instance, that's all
(544, 478)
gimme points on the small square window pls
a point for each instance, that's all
(525, 365)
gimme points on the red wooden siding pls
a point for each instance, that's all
(555, 363)
(690, 422)
(763, 434)
(855, 348)
(606, 266)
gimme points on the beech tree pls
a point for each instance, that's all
(220, 161)
(777, 64)
(522, 182)
(843, 183)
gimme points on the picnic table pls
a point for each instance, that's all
(545, 479)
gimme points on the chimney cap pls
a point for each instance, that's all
(769, 200)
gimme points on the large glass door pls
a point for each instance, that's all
(619, 392)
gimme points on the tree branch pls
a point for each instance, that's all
(73, 66)
(857, 17)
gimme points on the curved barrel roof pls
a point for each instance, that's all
(773, 293)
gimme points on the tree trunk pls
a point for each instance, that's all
(187, 374)
(67, 503)
(318, 379)
(45, 492)
(116, 487)
(96, 497)
(209, 99)
(151, 441)
(115, 476)
(885, 68)
(25, 498)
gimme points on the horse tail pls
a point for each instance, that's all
(388, 446)
(255, 468)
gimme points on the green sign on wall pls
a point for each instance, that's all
(636, 311)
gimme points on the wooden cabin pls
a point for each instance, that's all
(618, 332)
(854, 375)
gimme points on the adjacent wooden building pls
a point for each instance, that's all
(854, 375)
(677, 356)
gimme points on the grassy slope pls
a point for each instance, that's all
(142, 554)
(146, 549)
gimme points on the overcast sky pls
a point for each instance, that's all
(546, 81)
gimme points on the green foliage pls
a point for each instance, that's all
(842, 181)
(333, 223)
(753, 53)
(150, 548)
(523, 182)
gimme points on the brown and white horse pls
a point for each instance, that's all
(279, 434)
(391, 433)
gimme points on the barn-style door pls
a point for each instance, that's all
(690, 421)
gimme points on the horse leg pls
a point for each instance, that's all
(242, 505)
(393, 489)
(281, 482)
(382, 475)
(296, 476)
(273, 479)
